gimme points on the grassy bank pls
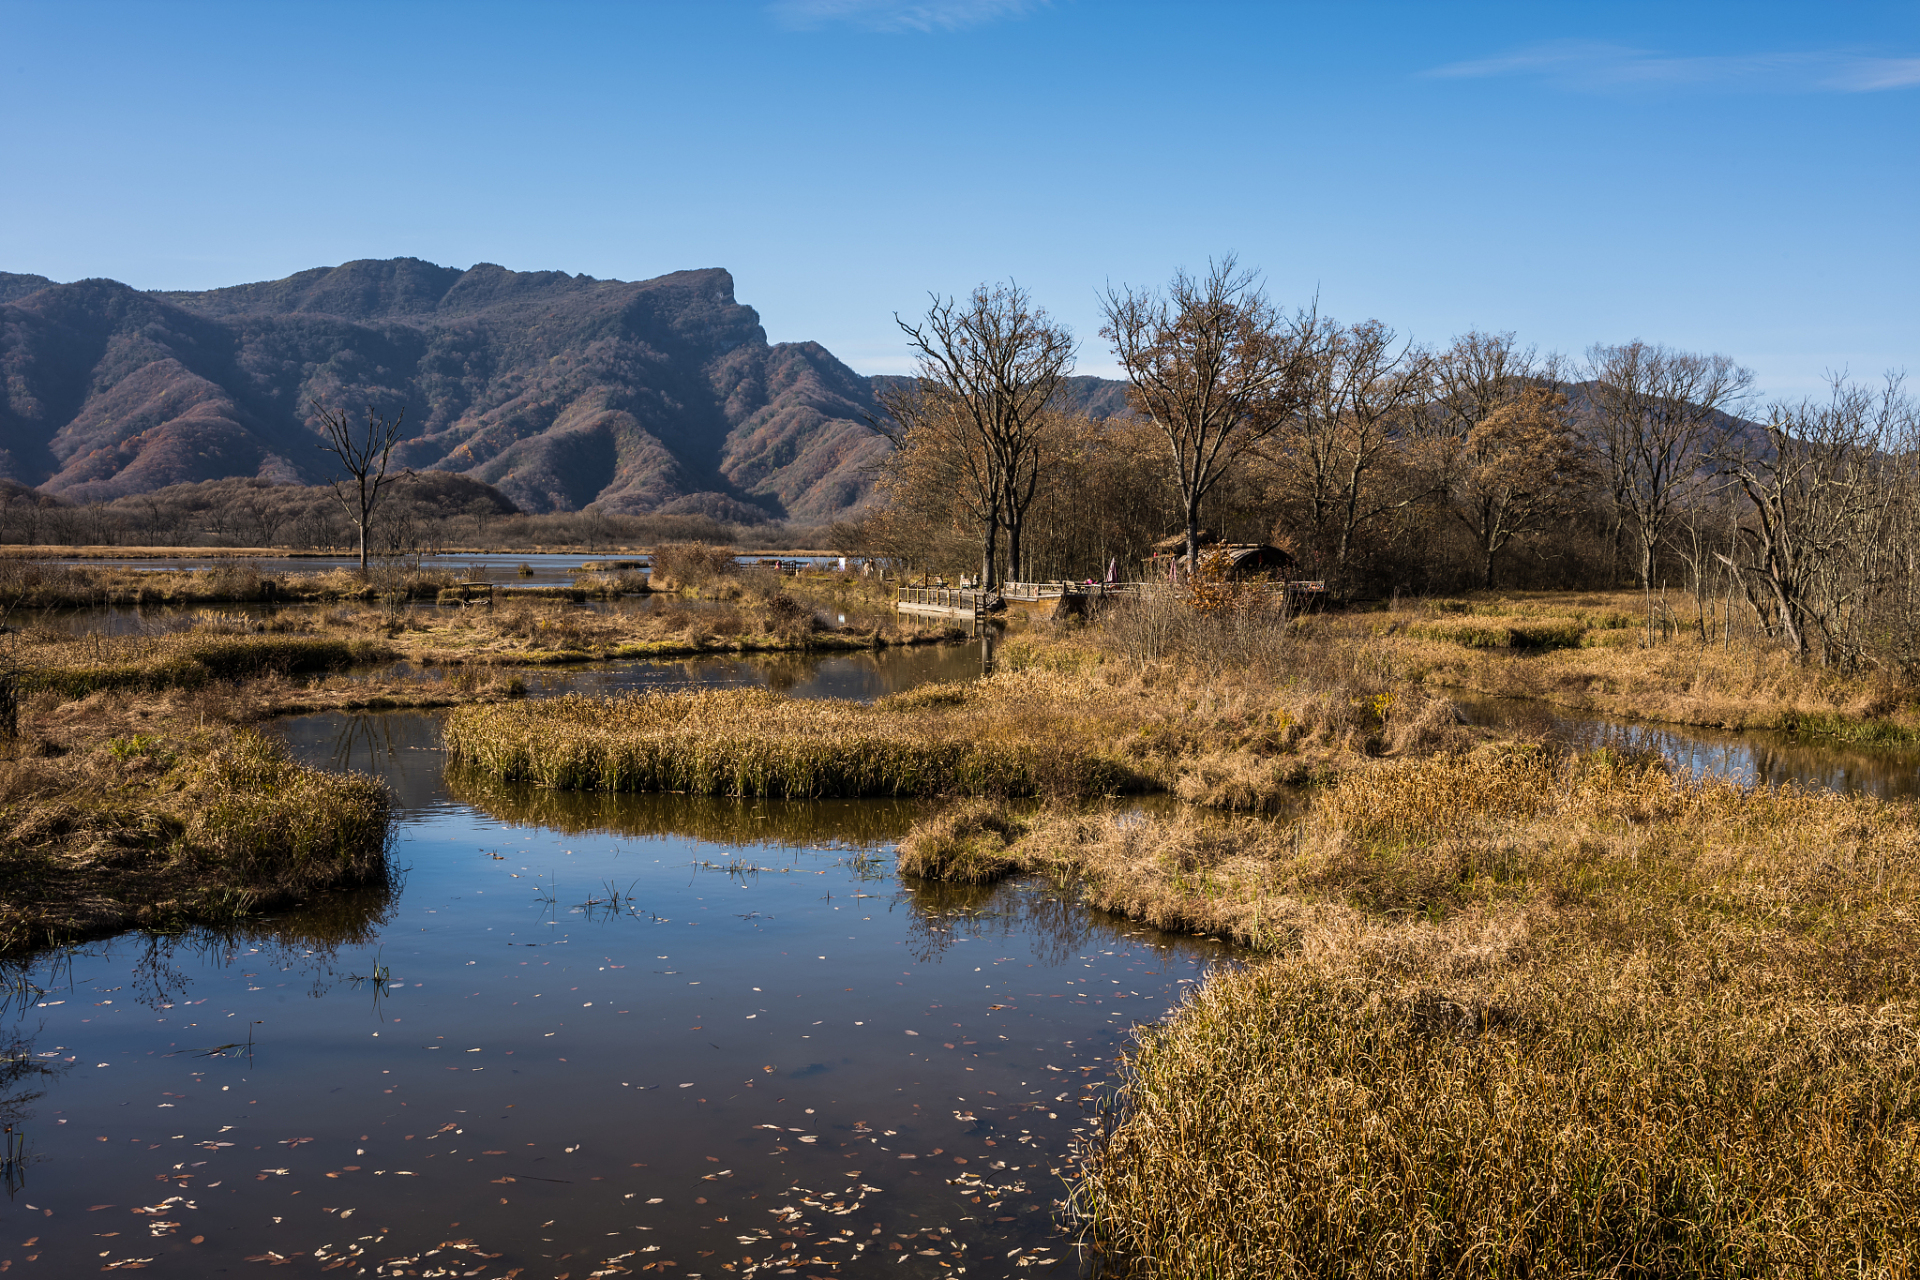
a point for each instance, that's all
(1057, 722)
(107, 830)
(1526, 1013)
(1594, 652)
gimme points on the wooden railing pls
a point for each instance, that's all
(945, 598)
(1054, 590)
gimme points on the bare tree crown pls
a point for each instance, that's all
(364, 452)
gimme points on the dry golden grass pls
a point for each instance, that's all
(1527, 1012)
(756, 743)
(539, 632)
(1591, 652)
(121, 809)
(220, 648)
(1053, 720)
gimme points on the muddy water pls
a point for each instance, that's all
(668, 1035)
(1748, 757)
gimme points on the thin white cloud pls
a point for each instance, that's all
(899, 15)
(1594, 65)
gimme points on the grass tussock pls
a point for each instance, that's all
(1596, 652)
(756, 743)
(78, 667)
(105, 829)
(1525, 1012)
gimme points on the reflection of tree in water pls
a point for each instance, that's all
(366, 736)
(22, 1072)
(714, 819)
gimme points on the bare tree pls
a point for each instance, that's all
(986, 372)
(1214, 367)
(1363, 404)
(364, 451)
(1480, 373)
(1657, 414)
(1827, 489)
(1516, 470)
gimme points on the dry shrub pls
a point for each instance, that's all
(693, 566)
(1227, 627)
(786, 616)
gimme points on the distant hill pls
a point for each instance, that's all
(649, 396)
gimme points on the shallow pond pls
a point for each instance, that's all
(549, 569)
(1746, 756)
(659, 1034)
(157, 619)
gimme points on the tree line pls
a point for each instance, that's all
(1387, 466)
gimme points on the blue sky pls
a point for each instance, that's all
(1727, 177)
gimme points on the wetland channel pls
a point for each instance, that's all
(595, 1035)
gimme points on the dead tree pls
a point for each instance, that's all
(1657, 416)
(1826, 489)
(364, 451)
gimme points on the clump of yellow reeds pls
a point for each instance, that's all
(77, 667)
(1525, 1011)
(169, 828)
(279, 828)
(757, 743)
(1572, 1117)
(964, 844)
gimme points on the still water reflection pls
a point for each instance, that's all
(591, 1035)
(1748, 756)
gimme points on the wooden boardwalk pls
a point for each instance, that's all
(945, 602)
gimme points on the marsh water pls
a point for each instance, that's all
(586, 1035)
(589, 1035)
(1745, 756)
(541, 569)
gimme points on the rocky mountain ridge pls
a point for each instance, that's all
(659, 395)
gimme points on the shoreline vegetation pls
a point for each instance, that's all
(1589, 651)
(1509, 1008)
(136, 789)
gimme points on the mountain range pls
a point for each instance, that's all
(559, 390)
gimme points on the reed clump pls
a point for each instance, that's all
(757, 743)
(1626, 654)
(173, 826)
(1583, 1117)
(965, 844)
(217, 649)
(1040, 726)
(1524, 1011)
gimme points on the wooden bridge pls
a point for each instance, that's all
(945, 602)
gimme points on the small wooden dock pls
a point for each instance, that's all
(945, 602)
